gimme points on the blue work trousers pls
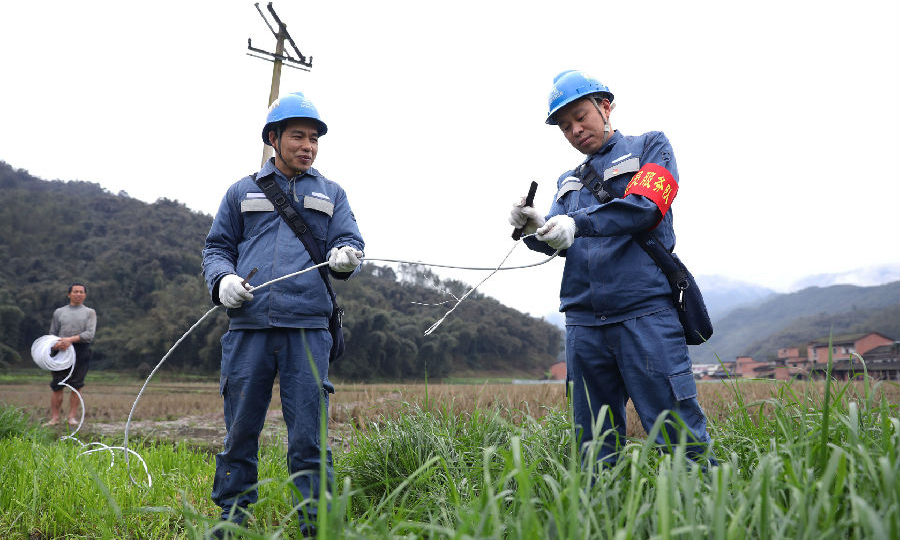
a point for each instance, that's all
(645, 359)
(250, 361)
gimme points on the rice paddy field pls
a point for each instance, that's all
(804, 459)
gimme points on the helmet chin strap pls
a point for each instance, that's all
(277, 146)
(606, 130)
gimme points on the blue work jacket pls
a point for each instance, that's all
(248, 233)
(608, 277)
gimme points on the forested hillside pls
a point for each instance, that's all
(793, 319)
(141, 265)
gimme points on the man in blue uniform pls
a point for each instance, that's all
(283, 328)
(623, 336)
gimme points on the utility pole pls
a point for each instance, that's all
(278, 58)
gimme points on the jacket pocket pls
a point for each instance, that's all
(317, 220)
(255, 215)
(683, 385)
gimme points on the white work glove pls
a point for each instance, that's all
(232, 292)
(344, 259)
(558, 232)
(525, 217)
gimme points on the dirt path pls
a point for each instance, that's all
(206, 431)
(192, 412)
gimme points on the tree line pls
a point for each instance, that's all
(141, 265)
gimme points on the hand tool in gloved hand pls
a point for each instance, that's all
(529, 201)
(234, 291)
(250, 275)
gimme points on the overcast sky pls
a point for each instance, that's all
(783, 116)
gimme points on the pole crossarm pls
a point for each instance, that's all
(301, 62)
(287, 59)
(283, 27)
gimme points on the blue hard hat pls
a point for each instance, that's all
(294, 105)
(571, 85)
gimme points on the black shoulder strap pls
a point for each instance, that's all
(290, 215)
(663, 258)
(593, 182)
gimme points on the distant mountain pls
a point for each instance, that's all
(723, 294)
(838, 309)
(864, 277)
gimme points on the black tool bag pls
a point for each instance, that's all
(688, 299)
(685, 292)
(290, 215)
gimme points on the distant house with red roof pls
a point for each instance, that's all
(843, 347)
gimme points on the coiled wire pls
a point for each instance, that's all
(41, 353)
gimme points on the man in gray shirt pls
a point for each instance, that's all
(75, 325)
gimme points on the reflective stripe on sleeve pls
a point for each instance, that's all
(320, 205)
(627, 166)
(572, 184)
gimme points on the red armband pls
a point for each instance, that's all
(656, 183)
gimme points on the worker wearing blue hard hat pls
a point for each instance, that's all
(624, 339)
(571, 85)
(285, 329)
(291, 106)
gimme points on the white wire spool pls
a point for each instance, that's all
(40, 353)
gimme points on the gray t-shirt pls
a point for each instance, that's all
(74, 321)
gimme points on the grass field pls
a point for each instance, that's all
(801, 460)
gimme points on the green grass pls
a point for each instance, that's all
(799, 464)
(14, 423)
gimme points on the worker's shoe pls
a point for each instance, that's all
(223, 534)
(229, 532)
(307, 525)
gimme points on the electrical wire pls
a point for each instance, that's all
(459, 301)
